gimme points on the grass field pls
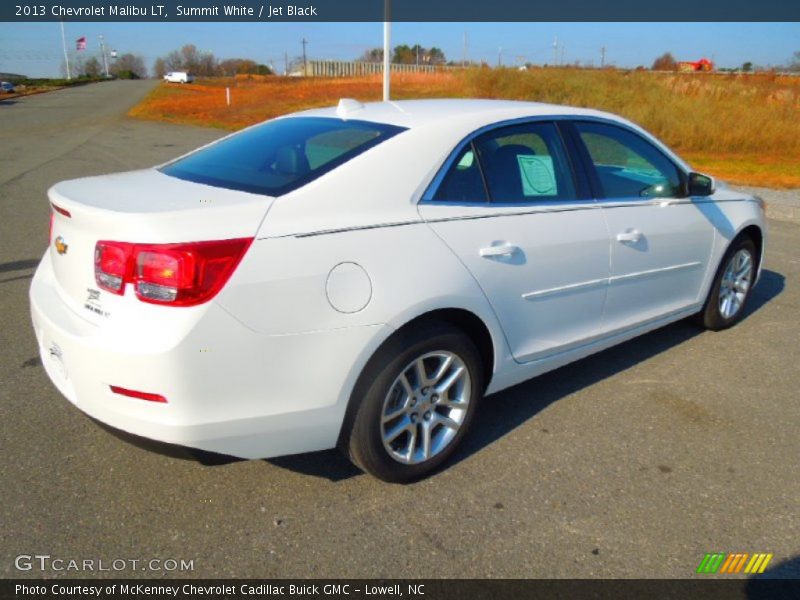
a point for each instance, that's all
(744, 129)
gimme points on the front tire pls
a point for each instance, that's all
(732, 286)
(417, 401)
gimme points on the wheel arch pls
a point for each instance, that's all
(465, 320)
(751, 230)
(755, 233)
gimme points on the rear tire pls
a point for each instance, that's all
(416, 398)
(733, 283)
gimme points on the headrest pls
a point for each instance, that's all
(506, 152)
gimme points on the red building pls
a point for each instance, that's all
(703, 65)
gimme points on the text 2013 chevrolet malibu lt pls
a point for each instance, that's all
(362, 276)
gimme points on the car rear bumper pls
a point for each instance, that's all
(229, 389)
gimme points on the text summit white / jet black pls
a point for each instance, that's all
(361, 276)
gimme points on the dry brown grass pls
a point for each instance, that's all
(254, 100)
(745, 129)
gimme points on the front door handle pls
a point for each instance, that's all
(629, 237)
(499, 250)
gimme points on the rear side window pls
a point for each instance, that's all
(282, 155)
(520, 163)
(627, 165)
(463, 182)
(524, 163)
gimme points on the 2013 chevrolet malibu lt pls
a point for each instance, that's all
(361, 276)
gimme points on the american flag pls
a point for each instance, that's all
(81, 43)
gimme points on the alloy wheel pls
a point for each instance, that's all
(736, 281)
(425, 407)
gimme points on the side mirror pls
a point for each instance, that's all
(701, 185)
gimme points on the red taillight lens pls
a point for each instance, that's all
(173, 274)
(161, 275)
(111, 261)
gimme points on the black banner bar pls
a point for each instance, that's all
(429, 589)
(401, 10)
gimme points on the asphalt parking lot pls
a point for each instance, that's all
(631, 463)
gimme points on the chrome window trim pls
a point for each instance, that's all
(433, 187)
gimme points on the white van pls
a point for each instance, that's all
(178, 77)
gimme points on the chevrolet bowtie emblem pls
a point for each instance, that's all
(61, 247)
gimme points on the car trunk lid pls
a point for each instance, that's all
(138, 207)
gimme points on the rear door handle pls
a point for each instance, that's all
(499, 250)
(629, 236)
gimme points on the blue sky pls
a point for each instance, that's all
(35, 48)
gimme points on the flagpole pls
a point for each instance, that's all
(387, 59)
(64, 45)
(103, 52)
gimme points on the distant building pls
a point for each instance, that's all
(702, 65)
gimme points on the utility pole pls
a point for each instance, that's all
(285, 63)
(64, 45)
(103, 53)
(602, 57)
(387, 43)
(500, 57)
(304, 41)
(464, 59)
(555, 51)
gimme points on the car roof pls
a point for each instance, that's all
(416, 113)
(457, 118)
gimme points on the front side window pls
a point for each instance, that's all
(627, 165)
(282, 155)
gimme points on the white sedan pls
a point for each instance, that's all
(362, 276)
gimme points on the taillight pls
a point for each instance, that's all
(111, 260)
(160, 275)
(172, 274)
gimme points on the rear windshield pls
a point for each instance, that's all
(280, 156)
